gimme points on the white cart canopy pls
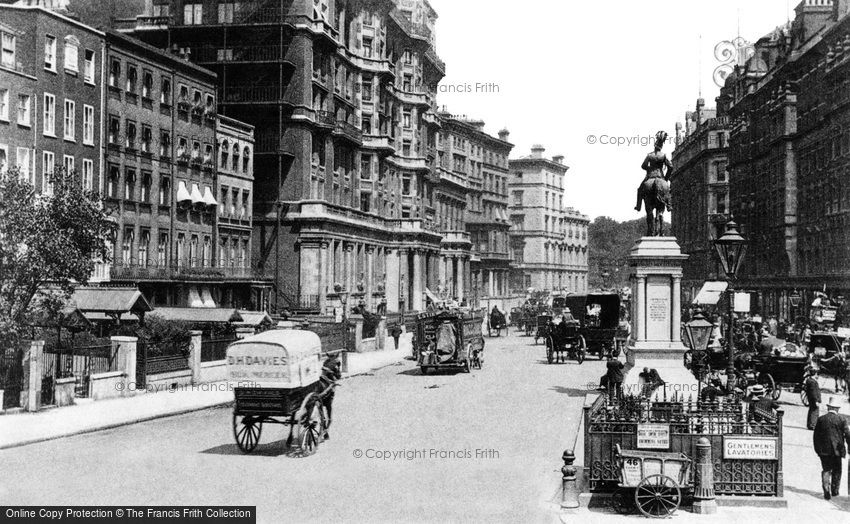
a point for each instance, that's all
(279, 358)
(710, 293)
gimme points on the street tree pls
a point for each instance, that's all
(49, 243)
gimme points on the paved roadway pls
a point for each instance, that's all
(518, 411)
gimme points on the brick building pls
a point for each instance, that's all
(162, 177)
(342, 96)
(548, 240)
(700, 181)
(790, 156)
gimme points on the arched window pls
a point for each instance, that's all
(235, 157)
(225, 150)
(246, 159)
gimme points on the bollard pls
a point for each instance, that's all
(704, 502)
(569, 494)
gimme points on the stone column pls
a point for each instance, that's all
(441, 267)
(491, 289)
(392, 284)
(348, 275)
(404, 277)
(31, 392)
(309, 271)
(370, 276)
(417, 280)
(676, 325)
(195, 356)
(323, 277)
(124, 349)
(461, 277)
(640, 308)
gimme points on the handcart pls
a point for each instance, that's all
(651, 482)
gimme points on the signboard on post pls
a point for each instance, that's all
(750, 448)
(653, 436)
(742, 302)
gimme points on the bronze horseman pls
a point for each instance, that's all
(654, 191)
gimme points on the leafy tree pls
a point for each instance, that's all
(609, 243)
(48, 245)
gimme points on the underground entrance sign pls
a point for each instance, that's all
(653, 436)
(750, 448)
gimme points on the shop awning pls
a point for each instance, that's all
(198, 315)
(183, 193)
(209, 199)
(710, 293)
(111, 301)
(255, 318)
(197, 197)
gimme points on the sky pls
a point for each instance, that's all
(565, 70)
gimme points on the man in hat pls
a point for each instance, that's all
(831, 435)
(331, 373)
(762, 407)
(812, 388)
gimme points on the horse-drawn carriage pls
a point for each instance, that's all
(277, 381)
(563, 340)
(825, 347)
(496, 323)
(777, 372)
(450, 339)
(542, 324)
(516, 318)
(599, 317)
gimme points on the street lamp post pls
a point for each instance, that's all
(795, 300)
(698, 335)
(731, 248)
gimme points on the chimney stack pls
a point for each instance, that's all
(558, 159)
(537, 151)
(504, 134)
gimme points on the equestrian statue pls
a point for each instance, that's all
(654, 191)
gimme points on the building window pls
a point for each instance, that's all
(162, 250)
(72, 54)
(147, 84)
(210, 104)
(405, 147)
(129, 184)
(182, 147)
(7, 50)
(88, 174)
(88, 125)
(207, 255)
(181, 249)
(70, 120)
(48, 165)
(146, 188)
(130, 141)
(68, 163)
(144, 241)
(405, 185)
(367, 47)
(164, 192)
(225, 12)
(365, 201)
(114, 129)
(132, 79)
(165, 144)
(233, 244)
(114, 73)
(406, 119)
(127, 246)
(24, 110)
(243, 254)
(196, 150)
(208, 154)
(4, 157)
(25, 160)
(193, 251)
(235, 158)
(165, 92)
(50, 53)
(246, 204)
(225, 152)
(222, 208)
(407, 57)
(4, 104)
(112, 182)
(246, 161)
(366, 89)
(147, 138)
(518, 198)
(49, 115)
(88, 67)
(193, 14)
(366, 167)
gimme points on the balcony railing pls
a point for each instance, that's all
(178, 272)
(349, 130)
(211, 54)
(326, 118)
(250, 94)
(431, 55)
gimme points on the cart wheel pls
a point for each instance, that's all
(770, 385)
(658, 496)
(312, 426)
(622, 501)
(804, 398)
(550, 349)
(247, 432)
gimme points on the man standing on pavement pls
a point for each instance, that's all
(831, 434)
(615, 377)
(812, 389)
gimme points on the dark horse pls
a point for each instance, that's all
(654, 191)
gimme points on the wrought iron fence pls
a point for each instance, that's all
(215, 349)
(163, 357)
(609, 423)
(80, 362)
(11, 376)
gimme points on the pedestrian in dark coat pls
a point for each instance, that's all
(331, 373)
(615, 377)
(831, 436)
(812, 389)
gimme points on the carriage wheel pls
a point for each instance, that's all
(804, 397)
(582, 350)
(550, 349)
(770, 385)
(312, 425)
(658, 496)
(247, 432)
(622, 501)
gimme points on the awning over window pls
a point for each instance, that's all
(710, 293)
(201, 314)
(209, 199)
(255, 318)
(183, 193)
(197, 197)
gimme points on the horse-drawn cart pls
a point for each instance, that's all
(564, 341)
(599, 318)
(651, 482)
(450, 339)
(276, 377)
(542, 331)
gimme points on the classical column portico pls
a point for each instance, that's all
(370, 276)
(461, 276)
(393, 281)
(309, 277)
(417, 280)
(323, 277)
(491, 283)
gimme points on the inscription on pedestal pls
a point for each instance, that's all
(658, 308)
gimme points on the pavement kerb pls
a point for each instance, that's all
(150, 417)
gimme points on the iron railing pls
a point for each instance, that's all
(215, 349)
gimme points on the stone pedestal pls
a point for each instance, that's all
(656, 277)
